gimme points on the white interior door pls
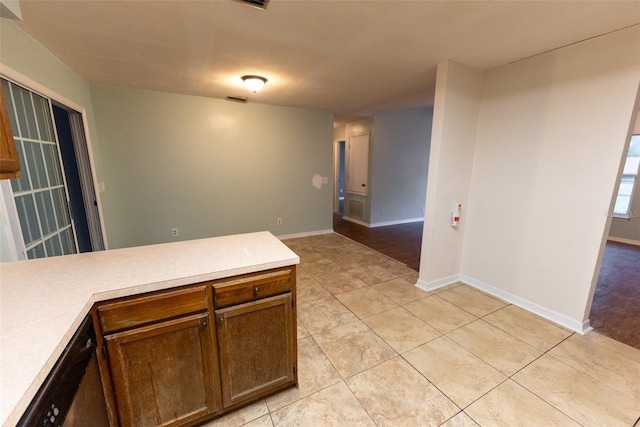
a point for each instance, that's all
(358, 164)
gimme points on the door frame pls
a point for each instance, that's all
(17, 77)
(336, 172)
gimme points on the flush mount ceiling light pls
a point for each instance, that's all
(254, 83)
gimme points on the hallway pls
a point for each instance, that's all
(401, 242)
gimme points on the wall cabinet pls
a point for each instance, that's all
(184, 356)
(9, 161)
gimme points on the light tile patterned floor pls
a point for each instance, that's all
(375, 350)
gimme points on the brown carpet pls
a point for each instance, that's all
(616, 304)
(401, 242)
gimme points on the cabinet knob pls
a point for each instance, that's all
(203, 322)
(220, 320)
(256, 290)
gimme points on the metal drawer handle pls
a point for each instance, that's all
(256, 290)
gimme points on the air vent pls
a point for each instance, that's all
(260, 4)
(240, 99)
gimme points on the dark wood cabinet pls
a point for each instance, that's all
(162, 357)
(9, 161)
(186, 355)
(163, 374)
(256, 331)
(256, 348)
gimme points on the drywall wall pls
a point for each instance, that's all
(455, 115)
(27, 62)
(628, 230)
(399, 163)
(551, 135)
(210, 167)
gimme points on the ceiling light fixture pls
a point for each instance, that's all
(254, 83)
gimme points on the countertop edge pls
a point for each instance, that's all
(23, 402)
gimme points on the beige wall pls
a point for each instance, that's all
(455, 115)
(539, 154)
(551, 134)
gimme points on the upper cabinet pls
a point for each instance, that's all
(9, 162)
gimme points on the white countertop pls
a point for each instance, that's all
(43, 301)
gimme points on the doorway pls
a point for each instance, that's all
(46, 207)
(74, 188)
(615, 308)
(339, 168)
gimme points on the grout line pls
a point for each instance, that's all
(445, 335)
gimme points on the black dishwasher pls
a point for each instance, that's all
(72, 393)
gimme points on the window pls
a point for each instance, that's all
(629, 178)
(39, 194)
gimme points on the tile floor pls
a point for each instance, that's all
(374, 350)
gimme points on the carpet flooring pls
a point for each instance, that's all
(615, 311)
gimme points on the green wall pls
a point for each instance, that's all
(38, 67)
(210, 167)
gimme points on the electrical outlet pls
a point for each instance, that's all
(279, 221)
(174, 232)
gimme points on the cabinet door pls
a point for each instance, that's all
(163, 374)
(257, 348)
(9, 162)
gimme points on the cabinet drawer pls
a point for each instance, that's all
(137, 311)
(240, 289)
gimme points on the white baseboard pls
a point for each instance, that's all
(305, 234)
(397, 222)
(582, 327)
(623, 240)
(438, 283)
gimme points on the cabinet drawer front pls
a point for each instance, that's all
(151, 308)
(251, 287)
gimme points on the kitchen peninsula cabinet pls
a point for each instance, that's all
(184, 356)
(163, 372)
(157, 295)
(256, 321)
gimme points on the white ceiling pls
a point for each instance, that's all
(349, 57)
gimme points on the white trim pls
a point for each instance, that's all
(582, 327)
(357, 221)
(34, 86)
(438, 283)
(305, 234)
(40, 89)
(623, 240)
(336, 174)
(11, 226)
(396, 222)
